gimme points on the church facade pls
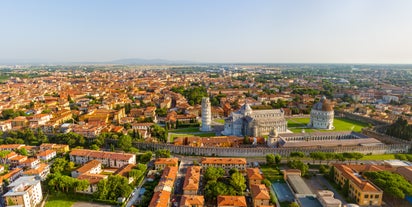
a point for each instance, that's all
(248, 122)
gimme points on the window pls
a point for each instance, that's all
(366, 196)
(376, 196)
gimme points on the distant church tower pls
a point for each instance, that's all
(206, 115)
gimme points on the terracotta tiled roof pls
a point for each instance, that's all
(353, 175)
(254, 174)
(167, 161)
(192, 178)
(211, 160)
(231, 201)
(160, 199)
(260, 192)
(45, 153)
(100, 154)
(41, 167)
(189, 200)
(88, 166)
(92, 178)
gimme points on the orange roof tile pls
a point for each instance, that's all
(231, 201)
(211, 160)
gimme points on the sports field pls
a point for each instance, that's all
(341, 124)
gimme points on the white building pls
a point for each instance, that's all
(206, 115)
(254, 122)
(321, 115)
(109, 159)
(25, 191)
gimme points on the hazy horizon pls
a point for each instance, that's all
(318, 31)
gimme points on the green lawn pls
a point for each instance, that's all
(341, 124)
(200, 134)
(271, 173)
(379, 157)
(60, 199)
(221, 121)
(183, 130)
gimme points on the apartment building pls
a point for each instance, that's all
(255, 176)
(92, 167)
(109, 159)
(161, 163)
(360, 189)
(46, 155)
(192, 179)
(25, 191)
(59, 148)
(163, 190)
(40, 171)
(260, 195)
(225, 163)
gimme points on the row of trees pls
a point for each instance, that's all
(400, 129)
(218, 184)
(328, 156)
(272, 159)
(392, 184)
(112, 188)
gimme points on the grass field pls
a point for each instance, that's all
(379, 157)
(271, 173)
(60, 199)
(221, 121)
(341, 124)
(183, 130)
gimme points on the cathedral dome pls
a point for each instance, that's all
(246, 109)
(323, 105)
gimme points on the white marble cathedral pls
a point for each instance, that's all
(321, 115)
(254, 122)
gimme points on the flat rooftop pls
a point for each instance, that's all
(309, 201)
(298, 185)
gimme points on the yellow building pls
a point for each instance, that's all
(360, 189)
(225, 163)
(161, 163)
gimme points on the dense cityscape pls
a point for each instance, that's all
(206, 135)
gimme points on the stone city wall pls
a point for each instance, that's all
(257, 152)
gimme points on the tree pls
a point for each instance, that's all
(22, 151)
(94, 147)
(345, 188)
(357, 156)
(270, 159)
(159, 132)
(293, 204)
(332, 174)
(162, 153)
(297, 164)
(297, 154)
(113, 187)
(278, 159)
(393, 184)
(267, 182)
(238, 182)
(144, 158)
(125, 142)
(213, 173)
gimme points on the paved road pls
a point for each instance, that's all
(135, 194)
(178, 189)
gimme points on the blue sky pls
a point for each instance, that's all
(292, 31)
